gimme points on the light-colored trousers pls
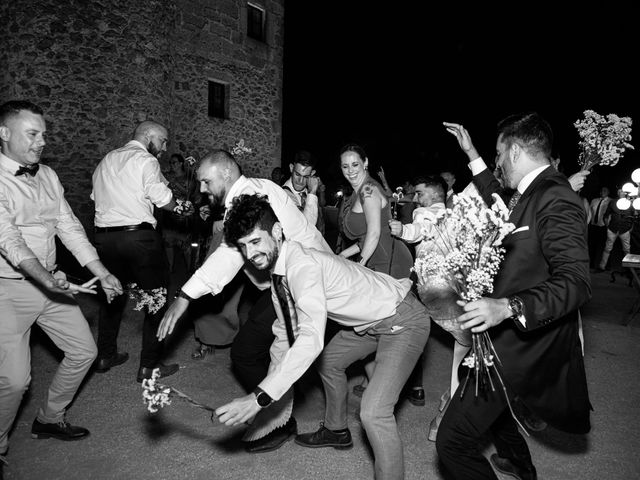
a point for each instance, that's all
(22, 303)
(398, 342)
(625, 240)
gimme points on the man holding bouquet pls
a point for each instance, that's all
(532, 314)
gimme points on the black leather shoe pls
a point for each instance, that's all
(61, 430)
(202, 350)
(506, 466)
(324, 437)
(165, 371)
(416, 397)
(105, 364)
(273, 440)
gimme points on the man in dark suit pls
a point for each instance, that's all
(532, 314)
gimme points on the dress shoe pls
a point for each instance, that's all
(202, 350)
(273, 440)
(324, 437)
(416, 397)
(165, 371)
(105, 364)
(62, 430)
(506, 466)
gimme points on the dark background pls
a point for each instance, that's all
(388, 76)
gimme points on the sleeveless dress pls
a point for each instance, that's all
(391, 256)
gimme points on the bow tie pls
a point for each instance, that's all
(31, 170)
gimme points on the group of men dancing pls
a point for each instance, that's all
(532, 314)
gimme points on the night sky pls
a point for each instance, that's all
(387, 79)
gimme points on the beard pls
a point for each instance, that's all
(270, 259)
(153, 150)
(216, 199)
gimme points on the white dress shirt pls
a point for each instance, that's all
(33, 211)
(422, 229)
(127, 183)
(310, 210)
(225, 262)
(323, 285)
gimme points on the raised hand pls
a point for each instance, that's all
(463, 137)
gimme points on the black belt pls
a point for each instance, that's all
(125, 228)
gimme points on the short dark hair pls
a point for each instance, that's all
(433, 181)
(530, 131)
(304, 158)
(13, 107)
(247, 213)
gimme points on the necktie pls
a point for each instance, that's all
(303, 199)
(31, 170)
(596, 220)
(286, 304)
(514, 200)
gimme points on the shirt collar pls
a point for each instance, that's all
(137, 144)
(280, 266)
(530, 177)
(234, 191)
(9, 164)
(289, 184)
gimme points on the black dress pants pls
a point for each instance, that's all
(463, 428)
(133, 257)
(250, 348)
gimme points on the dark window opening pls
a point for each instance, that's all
(255, 22)
(217, 99)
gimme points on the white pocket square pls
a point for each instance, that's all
(520, 229)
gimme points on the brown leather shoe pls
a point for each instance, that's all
(165, 371)
(506, 466)
(62, 430)
(105, 364)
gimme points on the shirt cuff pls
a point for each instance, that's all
(196, 288)
(477, 166)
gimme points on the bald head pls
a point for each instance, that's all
(153, 135)
(217, 172)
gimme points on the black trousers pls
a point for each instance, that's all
(250, 348)
(597, 237)
(464, 426)
(133, 257)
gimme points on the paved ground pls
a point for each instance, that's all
(181, 442)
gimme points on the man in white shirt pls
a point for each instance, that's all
(306, 189)
(383, 315)
(33, 211)
(127, 183)
(221, 179)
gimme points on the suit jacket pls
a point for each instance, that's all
(546, 264)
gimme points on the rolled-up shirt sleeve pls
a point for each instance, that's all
(154, 184)
(217, 271)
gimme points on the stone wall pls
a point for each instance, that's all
(99, 67)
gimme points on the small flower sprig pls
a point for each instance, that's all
(240, 149)
(603, 140)
(153, 299)
(182, 206)
(156, 395)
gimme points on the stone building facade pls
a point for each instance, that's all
(98, 67)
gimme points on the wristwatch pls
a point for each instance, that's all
(262, 398)
(516, 305)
